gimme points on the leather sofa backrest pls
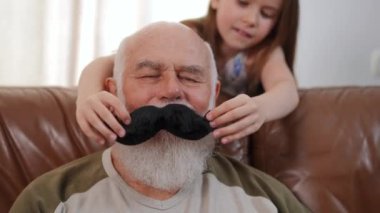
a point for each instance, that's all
(328, 150)
(38, 132)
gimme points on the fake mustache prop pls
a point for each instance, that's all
(177, 119)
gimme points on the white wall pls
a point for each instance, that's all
(336, 40)
(19, 32)
(336, 37)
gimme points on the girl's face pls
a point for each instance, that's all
(245, 23)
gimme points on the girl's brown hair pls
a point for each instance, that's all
(283, 34)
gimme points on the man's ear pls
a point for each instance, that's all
(217, 91)
(110, 85)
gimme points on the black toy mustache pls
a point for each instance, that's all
(177, 119)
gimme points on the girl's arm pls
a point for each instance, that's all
(244, 115)
(92, 78)
(96, 108)
(281, 94)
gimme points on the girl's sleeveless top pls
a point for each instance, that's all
(234, 76)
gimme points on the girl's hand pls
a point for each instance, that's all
(96, 117)
(236, 118)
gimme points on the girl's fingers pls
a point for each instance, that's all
(223, 108)
(96, 116)
(118, 107)
(97, 124)
(236, 127)
(89, 132)
(229, 105)
(236, 118)
(109, 119)
(233, 115)
(243, 133)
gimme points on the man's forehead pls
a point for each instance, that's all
(166, 55)
(168, 45)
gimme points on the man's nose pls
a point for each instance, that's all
(171, 88)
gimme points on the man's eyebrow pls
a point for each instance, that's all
(149, 64)
(194, 69)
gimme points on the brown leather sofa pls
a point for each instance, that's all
(327, 151)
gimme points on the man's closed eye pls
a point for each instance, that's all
(188, 79)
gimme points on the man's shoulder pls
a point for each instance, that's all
(53, 187)
(253, 182)
(89, 167)
(233, 172)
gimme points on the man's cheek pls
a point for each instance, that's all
(201, 103)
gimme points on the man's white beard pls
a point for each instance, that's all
(165, 161)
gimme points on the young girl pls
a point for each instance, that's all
(254, 46)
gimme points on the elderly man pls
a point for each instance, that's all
(162, 64)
